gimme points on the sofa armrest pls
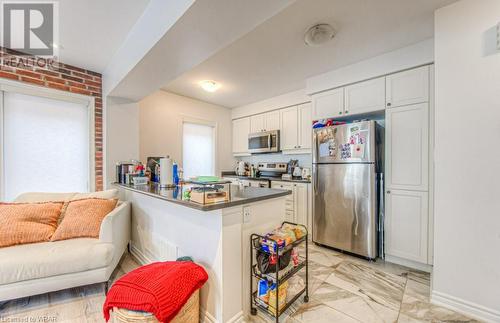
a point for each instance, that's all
(115, 227)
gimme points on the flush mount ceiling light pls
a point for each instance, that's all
(319, 34)
(209, 85)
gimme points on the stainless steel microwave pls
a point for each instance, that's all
(264, 142)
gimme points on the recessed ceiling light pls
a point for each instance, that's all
(319, 34)
(210, 86)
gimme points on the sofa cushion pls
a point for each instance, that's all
(45, 259)
(45, 197)
(22, 223)
(83, 218)
(108, 194)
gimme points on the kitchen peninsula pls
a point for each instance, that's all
(164, 227)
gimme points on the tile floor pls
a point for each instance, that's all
(342, 289)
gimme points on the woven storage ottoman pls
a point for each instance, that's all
(190, 313)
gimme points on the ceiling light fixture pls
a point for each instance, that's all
(210, 86)
(319, 34)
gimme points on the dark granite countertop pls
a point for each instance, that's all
(239, 196)
(266, 178)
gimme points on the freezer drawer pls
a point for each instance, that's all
(345, 208)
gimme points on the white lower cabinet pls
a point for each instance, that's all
(301, 203)
(406, 224)
(297, 203)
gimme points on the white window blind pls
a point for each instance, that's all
(45, 145)
(198, 145)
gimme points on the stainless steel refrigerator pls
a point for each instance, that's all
(347, 164)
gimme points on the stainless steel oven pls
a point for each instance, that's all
(264, 142)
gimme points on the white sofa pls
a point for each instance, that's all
(39, 268)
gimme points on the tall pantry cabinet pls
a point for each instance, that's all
(408, 169)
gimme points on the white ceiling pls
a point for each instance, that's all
(272, 59)
(91, 31)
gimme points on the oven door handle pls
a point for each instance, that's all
(269, 141)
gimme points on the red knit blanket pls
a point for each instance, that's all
(161, 288)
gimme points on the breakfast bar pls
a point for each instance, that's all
(166, 226)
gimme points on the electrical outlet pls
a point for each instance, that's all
(246, 214)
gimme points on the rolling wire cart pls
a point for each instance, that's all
(274, 278)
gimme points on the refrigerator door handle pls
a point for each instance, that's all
(315, 179)
(314, 148)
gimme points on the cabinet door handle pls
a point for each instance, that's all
(388, 104)
(346, 111)
(388, 192)
(340, 112)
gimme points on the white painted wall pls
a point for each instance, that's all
(277, 102)
(122, 135)
(407, 57)
(158, 17)
(467, 204)
(160, 124)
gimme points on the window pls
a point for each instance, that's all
(198, 149)
(45, 145)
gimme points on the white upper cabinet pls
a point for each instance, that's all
(296, 129)
(407, 147)
(328, 104)
(265, 122)
(408, 87)
(257, 123)
(289, 128)
(363, 97)
(305, 126)
(406, 225)
(272, 120)
(241, 129)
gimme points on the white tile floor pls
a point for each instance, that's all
(348, 289)
(342, 289)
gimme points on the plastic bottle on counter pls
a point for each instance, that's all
(175, 173)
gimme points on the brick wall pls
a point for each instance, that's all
(61, 77)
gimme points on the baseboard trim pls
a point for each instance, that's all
(408, 263)
(139, 255)
(206, 317)
(465, 307)
(238, 318)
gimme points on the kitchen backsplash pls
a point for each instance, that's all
(305, 160)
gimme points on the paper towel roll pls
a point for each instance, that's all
(166, 179)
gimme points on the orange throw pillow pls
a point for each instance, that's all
(82, 218)
(22, 223)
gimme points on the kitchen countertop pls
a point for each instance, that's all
(269, 178)
(239, 196)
